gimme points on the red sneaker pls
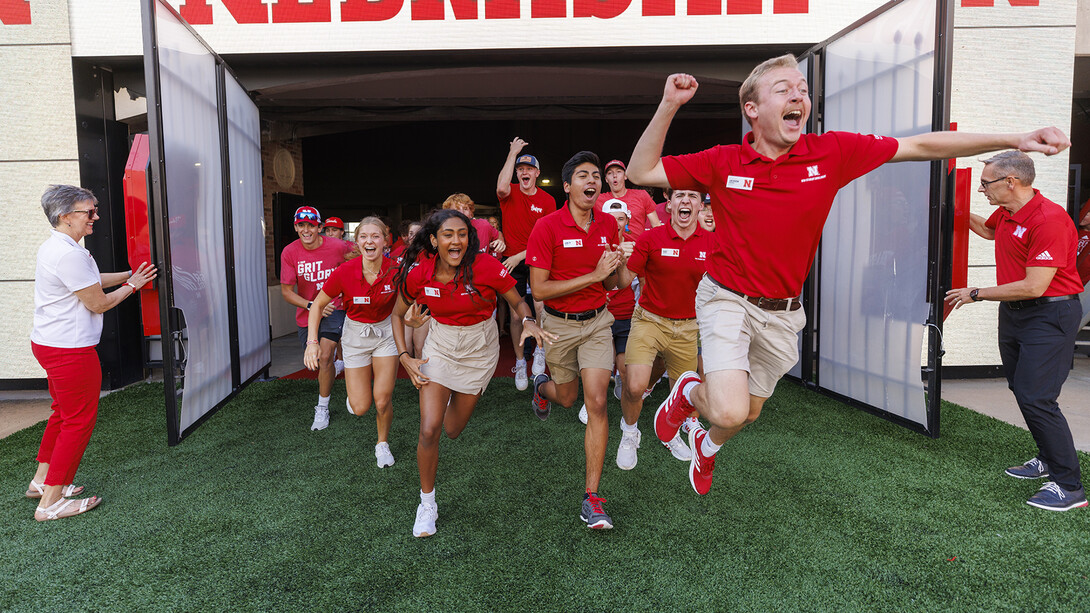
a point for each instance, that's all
(674, 409)
(701, 466)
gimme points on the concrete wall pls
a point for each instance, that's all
(1012, 72)
(38, 123)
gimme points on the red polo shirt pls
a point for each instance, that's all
(769, 213)
(485, 234)
(558, 245)
(452, 303)
(364, 302)
(1040, 234)
(621, 302)
(519, 214)
(640, 205)
(671, 268)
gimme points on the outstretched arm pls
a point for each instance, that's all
(947, 145)
(503, 183)
(979, 225)
(645, 167)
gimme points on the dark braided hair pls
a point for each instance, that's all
(421, 243)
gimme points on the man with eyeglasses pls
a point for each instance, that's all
(1038, 288)
(770, 197)
(305, 264)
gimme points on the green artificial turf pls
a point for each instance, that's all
(817, 506)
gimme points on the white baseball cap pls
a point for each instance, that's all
(616, 205)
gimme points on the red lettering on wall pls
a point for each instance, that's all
(243, 11)
(658, 8)
(603, 9)
(427, 10)
(743, 7)
(544, 9)
(370, 10)
(705, 7)
(15, 12)
(991, 3)
(791, 6)
(293, 11)
(196, 12)
(501, 9)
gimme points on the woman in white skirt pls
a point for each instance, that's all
(370, 355)
(457, 292)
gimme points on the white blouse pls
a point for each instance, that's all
(60, 319)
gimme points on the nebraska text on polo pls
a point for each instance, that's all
(1039, 234)
(769, 213)
(558, 245)
(364, 302)
(672, 267)
(520, 213)
(452, 303)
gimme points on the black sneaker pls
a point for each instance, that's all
(1052, 497)
(1033, 469)
(593, 514)
(541, 405)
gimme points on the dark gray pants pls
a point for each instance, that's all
(1037, 345)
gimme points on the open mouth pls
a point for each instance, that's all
(684, 213)
(793, 118)
(590, 193)
(370, 250)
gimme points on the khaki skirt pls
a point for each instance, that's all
(462, 358)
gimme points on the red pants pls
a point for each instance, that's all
(75, 378)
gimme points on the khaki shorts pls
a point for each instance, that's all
(653, 335)
(361, 342)
(582, 344)
(736, 335)
(462, 358)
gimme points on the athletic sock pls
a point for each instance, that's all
(708, 448)
(428, 498)
(627, 428)
(323, 401)
(688, 389)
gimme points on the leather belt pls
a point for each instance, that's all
(767, 304)
(1021, 304)
(585, 315)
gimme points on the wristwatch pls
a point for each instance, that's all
(972, 295)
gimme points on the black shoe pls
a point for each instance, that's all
(541, 405)
(1033, 469)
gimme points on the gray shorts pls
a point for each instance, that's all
(329, 328)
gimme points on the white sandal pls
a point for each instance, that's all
(37, 490)
(54, 510)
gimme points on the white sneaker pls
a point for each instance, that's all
(689, 424)
(348, 404)
(538, 367)
(426, 514)
(521, 380)
(321, 418)
(679, 449)
(338, 366)
(626, 452)
(383, 455)
(583, 414)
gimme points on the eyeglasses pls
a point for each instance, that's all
(90, 212)
(984, 183)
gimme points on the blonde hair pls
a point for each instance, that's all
(459, 198)
(748, 91)
(372, 220)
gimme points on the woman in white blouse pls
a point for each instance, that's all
(68, 307)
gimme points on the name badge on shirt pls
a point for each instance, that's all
(361, 300)
(431, 291)
(671, 253)
(745, 183)
(573, 242)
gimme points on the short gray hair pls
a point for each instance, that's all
(60, 199)
(1013, 164)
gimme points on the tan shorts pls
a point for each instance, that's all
(361, 342)
(736, 335)
(582, 344)
(653, 335)
(462, 358)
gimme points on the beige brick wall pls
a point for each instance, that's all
(1012, 71)
(37, 119)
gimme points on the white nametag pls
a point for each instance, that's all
(573, 242)
(361, 300)
(671, 253)
(745, 183)
(431, 291)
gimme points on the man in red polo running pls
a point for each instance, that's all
(522, 204)
(771, 196)
(641, 208)
(305, 264)
(573, 258)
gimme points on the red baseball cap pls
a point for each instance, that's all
(308, 214)
(334, 222)
(616, 163)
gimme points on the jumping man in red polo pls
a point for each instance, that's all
(769, 212)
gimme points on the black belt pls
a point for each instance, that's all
(1021, 304)
(767, 304)
(585, 315)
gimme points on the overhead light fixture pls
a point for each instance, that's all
(546, 181)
